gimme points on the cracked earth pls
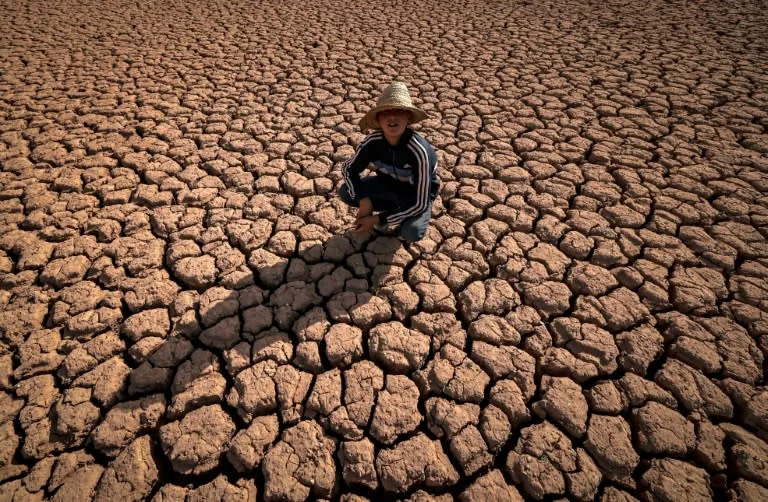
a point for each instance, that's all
(184, 314)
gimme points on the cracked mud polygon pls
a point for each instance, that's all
(184, 314)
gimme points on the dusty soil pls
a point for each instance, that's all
(185, 316)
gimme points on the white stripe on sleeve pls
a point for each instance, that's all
(345, 169)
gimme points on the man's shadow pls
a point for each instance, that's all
(197, 361)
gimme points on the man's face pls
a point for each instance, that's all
(393, 122)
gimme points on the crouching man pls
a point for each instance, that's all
(405, 183)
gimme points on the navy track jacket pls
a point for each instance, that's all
(412, 165)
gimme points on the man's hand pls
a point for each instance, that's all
(365, 223)
(365, 208)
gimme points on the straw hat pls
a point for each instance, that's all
(394, 97)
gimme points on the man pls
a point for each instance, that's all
(405, 182)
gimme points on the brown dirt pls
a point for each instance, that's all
(184, 313)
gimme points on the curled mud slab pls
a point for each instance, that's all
(184, 314)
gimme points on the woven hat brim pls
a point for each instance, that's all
(369, 119)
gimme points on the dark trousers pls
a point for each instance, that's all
(385, 197)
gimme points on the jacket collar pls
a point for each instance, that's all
(404, 139)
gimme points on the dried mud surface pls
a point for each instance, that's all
(185, 316)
